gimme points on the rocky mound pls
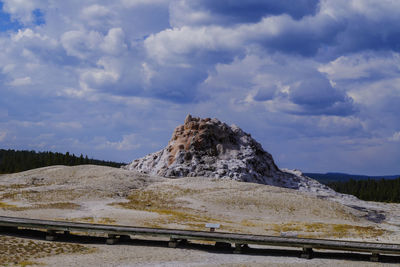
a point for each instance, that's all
(211, 148)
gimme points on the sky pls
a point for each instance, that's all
(316, 82)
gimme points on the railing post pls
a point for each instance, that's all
(239, 248)
(51, 235)
(307, 253)
(223, 245)
(111, 239)
(375, 257)
(173, 242)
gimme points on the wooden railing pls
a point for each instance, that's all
(241, 241)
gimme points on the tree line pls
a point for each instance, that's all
(382, 190)
(12, 161)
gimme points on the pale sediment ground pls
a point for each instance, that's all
(114, 196)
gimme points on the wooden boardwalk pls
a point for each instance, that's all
(113, 232)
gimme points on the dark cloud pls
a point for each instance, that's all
(363, 34)
(250, 11)
(176, 84)
(305, 38)
(266, 93)
(316, 96)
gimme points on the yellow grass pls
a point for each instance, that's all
(25, 252)
(57, 205)
(101, 220)
(6, 206)
(325, 230)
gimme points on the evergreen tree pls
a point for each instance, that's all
(16, 161)
(383, 190)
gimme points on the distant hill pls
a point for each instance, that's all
(12, 161)
(330, 177)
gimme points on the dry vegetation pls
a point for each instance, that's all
(79, 194)
(25, 252)
(101, 220)
(55, 205)
(50, 195)
(173, 204)
(169, 206)
(326, 230)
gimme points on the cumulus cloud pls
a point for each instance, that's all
(106, 74)
(317, 96)
(22, 9)
(307, 71)
(80, 43)
(96, 15)
(364, 65)
(304, 92)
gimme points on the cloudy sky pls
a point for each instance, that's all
(316, 82)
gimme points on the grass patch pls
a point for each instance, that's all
(14, 186)
(190, 219)
(153, 199)
(42, 196)
(28, 263)
(248, 223)
(101, 220)
(323, 230)
(57, 205)
(24, 252)
(6, 206)
(167, 204)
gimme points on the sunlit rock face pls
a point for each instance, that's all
(210, 148)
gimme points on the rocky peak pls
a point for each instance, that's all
(207, 137)
(208, 147)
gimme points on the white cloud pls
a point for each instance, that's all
(395, 137)
(107, 73)
(128, 142)
(133, 3)
(114, 43)
(84, 44)
(80, 43)
(21, 81)
(22, 9)
(363, 65)
(94, 11)
(98, 16)
(71, 125)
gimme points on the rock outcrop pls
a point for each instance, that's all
(211, 148)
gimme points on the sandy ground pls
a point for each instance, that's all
(114, 196)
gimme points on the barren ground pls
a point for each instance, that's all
(114, 196)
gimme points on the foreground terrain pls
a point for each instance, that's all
(114, 196)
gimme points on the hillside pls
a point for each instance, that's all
(22, 160)
(100, 194)
(205, 147)
(330, 177)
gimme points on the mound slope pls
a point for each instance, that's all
(210, 148)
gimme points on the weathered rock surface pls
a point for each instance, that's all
(211, 148)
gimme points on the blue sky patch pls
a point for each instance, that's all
(6, 24)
